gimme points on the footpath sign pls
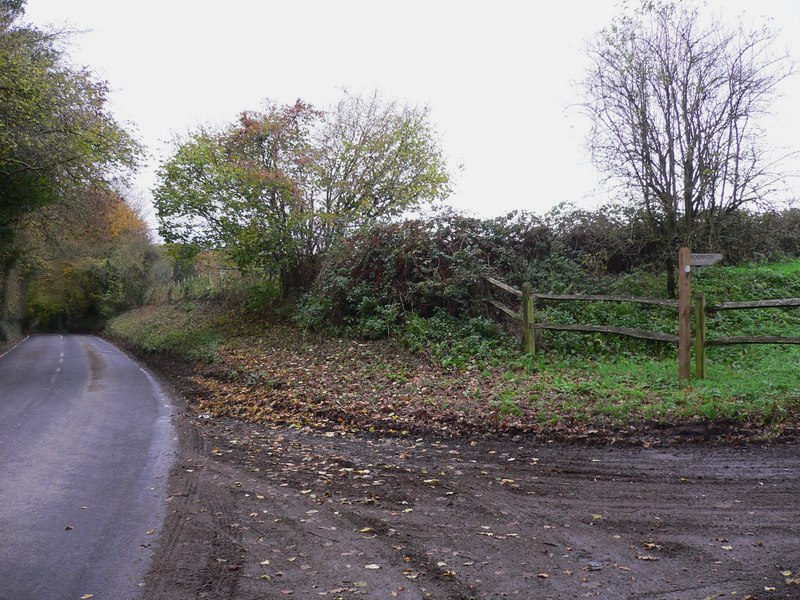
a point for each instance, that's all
(687, 260)
(702, 260)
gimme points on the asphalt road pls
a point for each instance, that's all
(86, 443)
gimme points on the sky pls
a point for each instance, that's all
(500, 78)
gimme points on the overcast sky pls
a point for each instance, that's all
(499, 77)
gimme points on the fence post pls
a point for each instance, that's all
(684, 314)
(528, 335)
(700, 335)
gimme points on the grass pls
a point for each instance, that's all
(444, 373)
(762, 388)
(589, 377)
(192, 330)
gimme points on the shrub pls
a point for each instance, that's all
(375, 277)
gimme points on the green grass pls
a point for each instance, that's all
(191, 330)
(763, 388)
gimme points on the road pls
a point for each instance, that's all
(86, 444)
(273, 512)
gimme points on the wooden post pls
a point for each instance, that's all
(528, 335)
(684, 314)
(700, 336)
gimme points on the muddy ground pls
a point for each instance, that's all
(260, 513)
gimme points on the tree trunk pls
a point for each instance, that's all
(24, 287)
(669, 265)
(4, 293)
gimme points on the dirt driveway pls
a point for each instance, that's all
(258, 513)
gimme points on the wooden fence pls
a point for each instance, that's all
(701, 341)
(527, 315)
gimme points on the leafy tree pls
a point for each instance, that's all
(376, 160)
(56, 137)
(276, 188)
(239, 189)
(95, 260)
(674, 98)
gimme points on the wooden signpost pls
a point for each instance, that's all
(687, 260)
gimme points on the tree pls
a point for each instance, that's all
(93, 261)
(376, 160)
(276, 188)
(240, 189)
(56, 136)
(675, 100)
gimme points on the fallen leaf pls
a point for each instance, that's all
(543, 575)
(372, 567)
(598, 517)
(87, 596)
(647, 557)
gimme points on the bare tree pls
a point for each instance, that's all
(675, 100)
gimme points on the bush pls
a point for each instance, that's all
(457, 342)
(371, 280)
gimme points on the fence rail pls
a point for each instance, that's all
(584, 298)
(510, 312)
(504, 286)
(782, 303)
(526, 315)
(752, 339)
(637, 333)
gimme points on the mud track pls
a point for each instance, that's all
(257, 513)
